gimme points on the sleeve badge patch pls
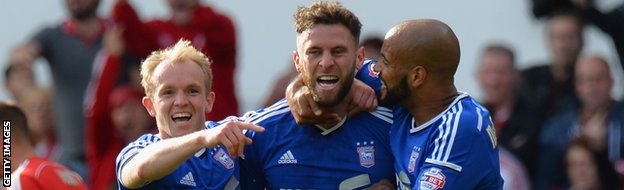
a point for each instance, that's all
(432, 179)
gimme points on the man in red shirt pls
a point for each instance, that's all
(208, 31)
(32, 172)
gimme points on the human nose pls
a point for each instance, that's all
(326, 60)
(180, 100)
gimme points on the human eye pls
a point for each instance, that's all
(384, 61)
(339, 52)
(193, 91)
(313, 52)
(166, 93)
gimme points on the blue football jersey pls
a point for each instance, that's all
(352, 155)
(209, 168)
(457, 149)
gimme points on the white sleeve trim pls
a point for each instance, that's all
(445, 164)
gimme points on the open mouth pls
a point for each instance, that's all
(327, 81)
(181, 117)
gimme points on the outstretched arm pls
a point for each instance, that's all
(163, 157)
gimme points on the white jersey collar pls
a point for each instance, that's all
(327, 131)
(415, 129)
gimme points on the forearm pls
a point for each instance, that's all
(159, 159)
(25, 54)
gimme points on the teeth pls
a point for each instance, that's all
(181, 117)
(328, 78)
(178, 115)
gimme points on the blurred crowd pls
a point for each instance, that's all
(557, 123)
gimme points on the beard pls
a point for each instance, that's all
(330, 99)
(395, 95)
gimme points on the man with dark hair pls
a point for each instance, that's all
(516, 131)
(69, 48)
(372, 45)
(547, 89)
(30, 171)
(347, 153)
(442, 138)
(499, 78)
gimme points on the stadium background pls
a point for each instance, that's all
(266, 35)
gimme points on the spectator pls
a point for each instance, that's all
(69, 49)
(37, 103)
(129, 120)
(547, 89)
(33, 172)
(18, 79)
(115, 114)
(208, 30)
(128, 114)
(598, 118)
(588, 169)
(610, 22)
(516, 129)
(372, 46)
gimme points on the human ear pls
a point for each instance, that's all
(361, 55)
(149, 106)
(416, 76)
(296, 59)
(210, 98)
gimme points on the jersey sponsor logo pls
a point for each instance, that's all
(411, 166)
(371, 70)
(432, 179)
(287, 158)
(224, 159)
(366, 152)
(188, 180)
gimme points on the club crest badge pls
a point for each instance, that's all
(224, 159)
(411, 165)
(366, 152)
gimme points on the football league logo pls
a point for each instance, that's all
(371, 70)
(432, 179)
(366, 154)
